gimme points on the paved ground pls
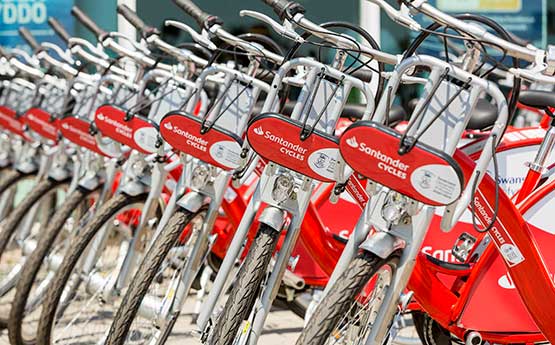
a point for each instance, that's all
(282, 328)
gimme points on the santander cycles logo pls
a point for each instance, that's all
(258, 130)
(352, 142)
(168, 126)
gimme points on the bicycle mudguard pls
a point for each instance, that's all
(135, 131)
(423, 174)
(278, 139)
(42, 123)
(76, 129)
(11, 122)
(216, 146)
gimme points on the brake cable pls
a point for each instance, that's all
(420, 112)
(205, 128)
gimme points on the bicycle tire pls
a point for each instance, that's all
(243, 294)
(32, 266)
(9, 225)
(52, 299)
(9, 178)
(146, 273)
(336, 303)
(429, 331)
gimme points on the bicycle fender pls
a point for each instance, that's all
(134, 188)
(273, 217)
(382, 244)
(191, 201)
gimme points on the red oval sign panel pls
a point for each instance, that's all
(217, 146)
(278, 139)
(424, 173)
(137, 132)
(42, 123)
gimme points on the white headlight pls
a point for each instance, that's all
(394, 207)
(283, 187)
(200, 176)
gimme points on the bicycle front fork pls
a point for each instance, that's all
(390, 305)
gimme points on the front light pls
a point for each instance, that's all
(200, 176)
(394, 207)
(283, 187)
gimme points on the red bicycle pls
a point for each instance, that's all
(513, 240)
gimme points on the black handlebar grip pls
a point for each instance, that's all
(59, 29)
(28, 37)
(132, 17)
(87, 22)
(202, 18)
(282, 6)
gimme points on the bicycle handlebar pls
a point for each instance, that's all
(296, 16)
(59, 29)
(512, 49)
(478, 32)
(132, 17)
(87, 22)
(280, 7)
(28, 37)
(202, 18)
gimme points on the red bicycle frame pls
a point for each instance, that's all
(448, 305)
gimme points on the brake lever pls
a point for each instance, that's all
(31, 60)
(194, 35)
(134, 44)
(401, 17)
(280, 29)
(97, 50)
(63, 54)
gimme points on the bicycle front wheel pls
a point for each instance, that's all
(19, 233)
(38, 271)
(249, 279)
(346, 314)
(83, 295)
(146, 311)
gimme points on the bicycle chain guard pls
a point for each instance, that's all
(41, 122)
(278, 139)
(216, 146)
(424, 174)
(136, 131)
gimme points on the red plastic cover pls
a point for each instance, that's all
(139, 133)
(217, 146)
(10, 121)
(424, 174)
(76, 130)
(42, 123)
(278, 139)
